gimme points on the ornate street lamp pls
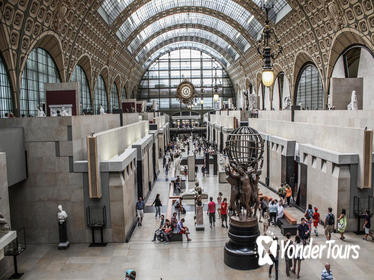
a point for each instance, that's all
(215, 96)
(264, 48)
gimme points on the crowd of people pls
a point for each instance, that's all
(169, 227)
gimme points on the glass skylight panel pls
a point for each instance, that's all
(188, 33)
(190, 18)
(227, 7)
(279, 5)
(112, 8)
(186, 45)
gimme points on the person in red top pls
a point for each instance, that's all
(315, 220)
(212, 212)
(224, 211)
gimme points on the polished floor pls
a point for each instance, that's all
(200, 259)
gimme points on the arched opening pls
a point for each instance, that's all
(6, 101)
(39, 69)
(80, 76)
(100, 95)
(309, 88)
(357, 61)
(114, 104)
(159, 83)
(281, 92)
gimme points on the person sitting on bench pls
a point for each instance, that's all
(181, 229)
(174, 220)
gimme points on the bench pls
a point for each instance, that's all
(288, 223)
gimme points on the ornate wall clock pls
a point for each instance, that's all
(186, 92)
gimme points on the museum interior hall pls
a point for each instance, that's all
(186, 139)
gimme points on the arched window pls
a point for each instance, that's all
(100, 95)
(114, 98)
(309, 94)
(123, 94)
(6, 103)
(80, 76)
(160, 82)
(40, 68)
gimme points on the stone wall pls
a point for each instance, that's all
(6, 264)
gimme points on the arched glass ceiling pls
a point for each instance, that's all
(188, 33)
(111, 9)
(190, 18)
(187, 45)
(227, 7)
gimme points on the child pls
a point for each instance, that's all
(315, 220)
(219, 201)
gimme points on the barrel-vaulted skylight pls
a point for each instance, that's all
(190, 19)
(188, 33)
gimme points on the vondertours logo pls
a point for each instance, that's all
(267, 247)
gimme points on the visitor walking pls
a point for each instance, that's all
(140, 210)
(212, 212)
(224, 212)
(157, 203)
(288, 194)
(298, 257)
(163, 161)
(342, 224)
(275, 260)
(288, 247)
(167, 171)
(315, 220)
(329, 223)
(327, 273)
(303, 231)
(263, 207)
(282, 191)
(273, 211)
(219, 201)
(367, 225)
(309, 212)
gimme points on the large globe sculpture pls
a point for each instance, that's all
(245, 148)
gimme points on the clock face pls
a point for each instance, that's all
(186, 92)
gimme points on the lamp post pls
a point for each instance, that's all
(264, 48)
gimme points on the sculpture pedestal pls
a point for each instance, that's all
(63, 236)
(199, 218)
(241, 250)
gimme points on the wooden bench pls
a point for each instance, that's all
(288, 223)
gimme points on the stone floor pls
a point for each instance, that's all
(200, 259)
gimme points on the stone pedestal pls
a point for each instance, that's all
(199, 217)
(241, 251)
(191, 168)
(63, 236)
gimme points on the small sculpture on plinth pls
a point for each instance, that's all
(62, 229)
(41, 113)
(353, 106)
(102, 110)
(244, 148)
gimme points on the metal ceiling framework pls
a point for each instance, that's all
(187, 33)
(210, 23)
(137, 23)
(186, 45)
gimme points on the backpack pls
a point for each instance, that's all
(330, 219)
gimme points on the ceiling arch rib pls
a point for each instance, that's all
(197, 20)
(177, 11)
(218, 8)
(203, 43)
(186, 45)
(116, 12)
(187, 33)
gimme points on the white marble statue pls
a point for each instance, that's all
(61, 214)
(63, 112)
(353, 106)
(102, 110)
(177, 165)
(286, 103)
(252, 104)
(41, 113)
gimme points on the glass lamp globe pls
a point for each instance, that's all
(202, 101)
(216, 97)
(268, 78)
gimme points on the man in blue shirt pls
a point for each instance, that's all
(140, 210)
(303, 231)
